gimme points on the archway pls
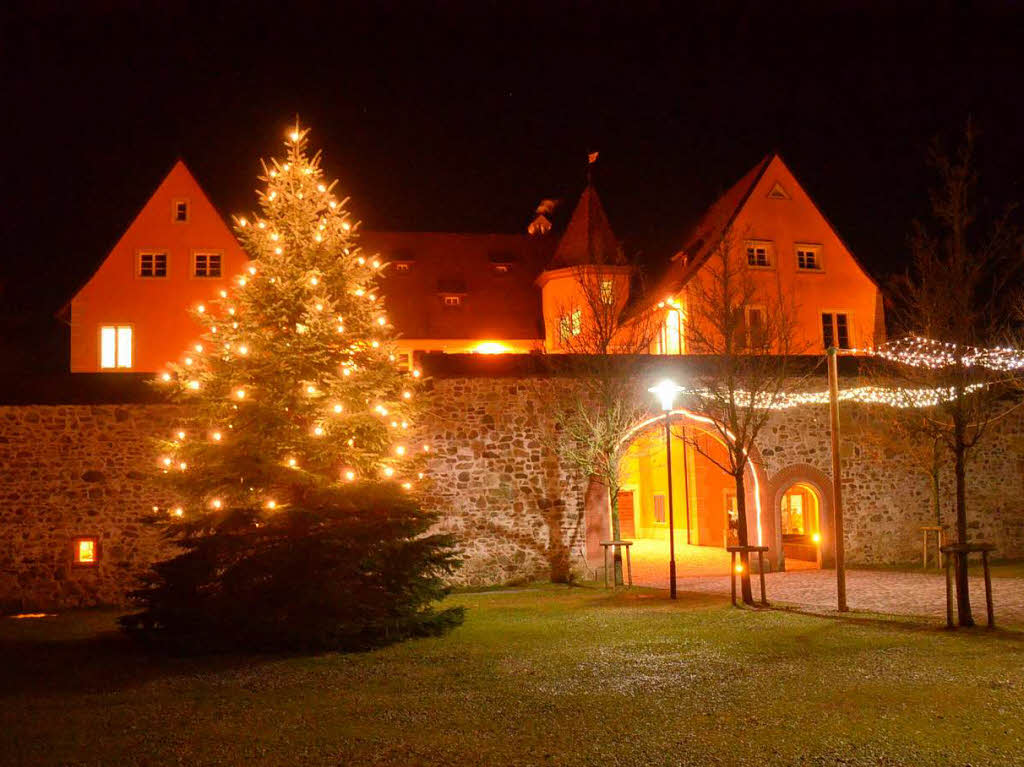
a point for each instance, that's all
(803, 520)
(703, 500)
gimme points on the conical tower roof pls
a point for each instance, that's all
(588, 239)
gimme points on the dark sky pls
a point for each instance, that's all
(450, 116)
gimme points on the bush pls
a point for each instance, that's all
(345, 569)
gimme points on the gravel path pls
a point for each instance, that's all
(922, 594)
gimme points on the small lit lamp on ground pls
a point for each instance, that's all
(666, 392)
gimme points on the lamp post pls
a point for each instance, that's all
(666, 392)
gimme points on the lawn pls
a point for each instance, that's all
(545, 675)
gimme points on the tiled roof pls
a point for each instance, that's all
(708, 232)
(493, 273)
(588, 239)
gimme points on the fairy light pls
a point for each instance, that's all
(216, 436)
(223, 294)
(865, 395)
(407, 485)
(199, 348)
(310, 389)
(407, 395)
(165, 377)
(216, 503)
(178, 512)
(318, 431)
(292, 463)
(338, 408)
(181, 435)
(200, 308)
(188, 360)
(194, 385)
(314, 281)
(350, 475)
(400, 450)
(388, 471)
(240, 393)
(167, 461)
(243, 350)
(182, 466)
(920, 352)
(271, 505)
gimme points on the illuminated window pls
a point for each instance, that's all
(84, 551)
(501, 268)
(401, 267)
(659, 509)
(759, 254)
(115, 346)
(808, 258)
(206, 265)
(670, 336)
(835, 330)
(570, 324)
(152, 264)
(792, 514)
(607, 291)
(453, 300)
(180, 210)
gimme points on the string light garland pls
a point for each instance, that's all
(920, 352)
(307, 272)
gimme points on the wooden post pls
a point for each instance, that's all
(988, 590)
(629, 568)
(949, 593)
(732, 577)
(760, 565)
(837, 483)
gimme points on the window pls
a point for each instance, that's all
(84, 551)
(401, 267)
(659, 509)
(754, 326)
(206, 265)
(808, 258)
(180, 211)
(792, 514)
(607, 291)
(115, 346)
(152, 264)
(570, 324)
(453, 300)
(759, 254)
(670, 334)
(835, 330)
(502, 268)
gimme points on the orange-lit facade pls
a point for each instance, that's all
(483, 293)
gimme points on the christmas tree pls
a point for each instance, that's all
(295, 474)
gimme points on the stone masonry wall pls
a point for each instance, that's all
(68, 471)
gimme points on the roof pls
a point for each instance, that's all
(588, 239)
(702, 240)
(492, 273)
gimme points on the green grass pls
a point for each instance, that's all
(546, 676)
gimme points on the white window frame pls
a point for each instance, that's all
(152, 252)
(451, 301)
(835, 313)
(122, 353)
(570, 324)
(809, 247)
(206, 253)
(769, 253)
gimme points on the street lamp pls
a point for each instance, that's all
(666, 392)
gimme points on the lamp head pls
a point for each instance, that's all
(666, 391)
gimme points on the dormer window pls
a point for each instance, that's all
(402, 266)
(501, 262)
(452, 300)
(206, 265)
(502, 268)
(152, 264)
(180, 211)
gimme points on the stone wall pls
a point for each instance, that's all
(68, 471)
(80, 470)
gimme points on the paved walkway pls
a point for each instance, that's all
(878, 591)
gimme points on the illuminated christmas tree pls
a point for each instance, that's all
(294, 470)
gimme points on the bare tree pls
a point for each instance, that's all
(595, 416)
(955, 299)
(743, 322)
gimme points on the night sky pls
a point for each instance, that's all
(460, 117)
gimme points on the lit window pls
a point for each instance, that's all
(659, 509)
(84, 551)
(792, 514)
(206, 265)
(152, 264)
(808, 257)
(759, 254)
(501, 268)
(835, 330)
(570, 324)
(115, 346)
(453, 300)
(607, 291)
(401, 267)
(670, 336)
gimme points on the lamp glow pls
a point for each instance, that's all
(666, 392)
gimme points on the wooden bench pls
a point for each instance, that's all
(967, 549)
(629, 565)
(734, 550)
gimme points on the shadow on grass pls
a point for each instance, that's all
(41, 660)
(903, 623)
